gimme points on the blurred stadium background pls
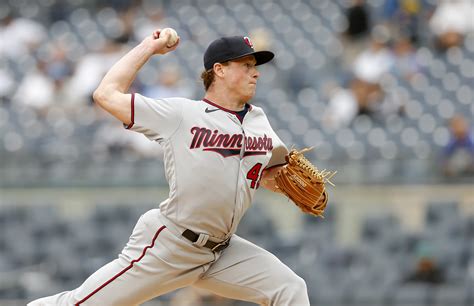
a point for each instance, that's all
(382, 88)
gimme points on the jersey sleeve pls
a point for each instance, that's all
(279, 153)
(155, 118)
(279, 150)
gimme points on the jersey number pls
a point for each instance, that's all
(254, 175)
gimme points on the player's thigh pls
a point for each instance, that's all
(245, 271)
(153, 263)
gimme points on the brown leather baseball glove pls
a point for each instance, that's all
(303, 183)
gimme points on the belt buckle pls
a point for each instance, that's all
(220, 246)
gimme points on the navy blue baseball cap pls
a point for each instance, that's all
(230, 48)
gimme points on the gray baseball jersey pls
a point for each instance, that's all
(213, 159)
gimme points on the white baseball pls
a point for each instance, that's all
(172, 38)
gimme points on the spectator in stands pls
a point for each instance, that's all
(59, 68)
(451, 21)
(427, 271)
(359, 98)
(44, 86)
(403, 17)
(458, 154)
(357, 33)
(369, 97)
(36, 90)
(358, 20)
(405, 61)
(19, 36)
(92, 67)
(368, 69)
(376, 60)
(342, 108)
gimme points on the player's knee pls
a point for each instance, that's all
(293, 291)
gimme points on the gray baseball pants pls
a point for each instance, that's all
(157, 260)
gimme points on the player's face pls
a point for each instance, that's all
(241, 77)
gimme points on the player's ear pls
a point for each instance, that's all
(218, 69)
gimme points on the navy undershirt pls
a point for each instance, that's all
(241, 114)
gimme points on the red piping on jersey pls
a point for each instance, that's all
(275, 166)
(126, 269)
(132, 111)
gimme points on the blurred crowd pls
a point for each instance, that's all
(51, 68)
(364, 61)
(390, 47)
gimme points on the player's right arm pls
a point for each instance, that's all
(112, 94)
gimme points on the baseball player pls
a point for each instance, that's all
(217, 152)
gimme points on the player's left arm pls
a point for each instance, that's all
(268, 178)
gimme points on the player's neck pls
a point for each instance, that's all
(225, 100)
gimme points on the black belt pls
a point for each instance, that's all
(214, 246)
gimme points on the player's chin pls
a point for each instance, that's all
(251, 92)
(248, 96)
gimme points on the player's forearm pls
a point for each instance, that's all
(122, 74)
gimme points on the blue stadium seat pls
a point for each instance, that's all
(412, 294)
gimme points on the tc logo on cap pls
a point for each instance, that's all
(248, 42)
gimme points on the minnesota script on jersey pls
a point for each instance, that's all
(228, 145)
(221, 158)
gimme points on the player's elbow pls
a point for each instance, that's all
(114, 102)
(100, 96)
(104, 97)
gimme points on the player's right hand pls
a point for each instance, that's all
(158, 43)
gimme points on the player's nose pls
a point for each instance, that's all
(256, 73)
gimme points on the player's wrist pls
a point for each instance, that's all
(148, 47)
